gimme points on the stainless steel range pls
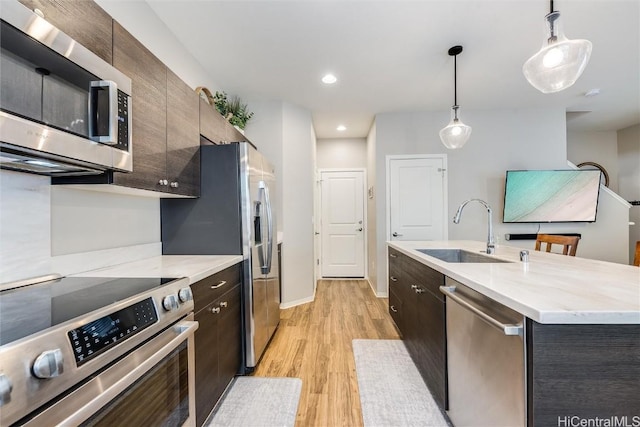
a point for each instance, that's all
(85, 351)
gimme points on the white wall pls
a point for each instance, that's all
(501, 140)
(341, 153)
(629, 178)
(284, 133)
(598, 147)
(298, 181)
(372, 221)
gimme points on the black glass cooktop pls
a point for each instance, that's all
(31, 309)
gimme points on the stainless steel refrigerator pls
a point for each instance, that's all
(234, 215)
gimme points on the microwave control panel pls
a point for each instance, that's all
(124, 108)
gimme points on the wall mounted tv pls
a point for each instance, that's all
(551, 196)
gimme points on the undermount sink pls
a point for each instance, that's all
(459, 255)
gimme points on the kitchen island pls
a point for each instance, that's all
(580, 318)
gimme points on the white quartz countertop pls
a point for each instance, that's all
(194, 267)
(550, 288)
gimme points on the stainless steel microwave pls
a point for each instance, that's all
(64, 111)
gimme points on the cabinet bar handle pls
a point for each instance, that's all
(393, 279)
(215, 310)
(219, 285)
(419, 290)
(223, 304)
(393, 255)
(392, 308)
(414, 287)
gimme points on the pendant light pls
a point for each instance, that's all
(456, 133)
(560, 61)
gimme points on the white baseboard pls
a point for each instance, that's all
(377, 293)
(291, 304)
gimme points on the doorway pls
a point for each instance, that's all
(342, 223)
(417, 197)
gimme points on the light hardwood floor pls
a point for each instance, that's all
(313, 342)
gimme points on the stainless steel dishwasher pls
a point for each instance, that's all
(485, 355)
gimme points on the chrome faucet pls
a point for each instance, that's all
(456, 220)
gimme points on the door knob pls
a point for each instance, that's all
(359, 229)
(395, 234)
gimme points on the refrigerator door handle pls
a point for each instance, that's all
(265, 254)
(270, 230)
(269, 255)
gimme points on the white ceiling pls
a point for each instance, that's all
(392, 55)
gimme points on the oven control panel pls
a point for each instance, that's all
(99, 335)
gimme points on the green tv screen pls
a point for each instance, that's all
(551, 196)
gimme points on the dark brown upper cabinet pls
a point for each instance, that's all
(183, 137)
(215, 128)
(165, 122)
(83, 21)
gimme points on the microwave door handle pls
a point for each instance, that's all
(269, 228)
(111, 138)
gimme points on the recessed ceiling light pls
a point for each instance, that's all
(592, 93)
(329, 79)
(341, 128)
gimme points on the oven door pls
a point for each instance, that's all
(152, 385)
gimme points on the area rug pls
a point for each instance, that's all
(259, 401)
(392, 392)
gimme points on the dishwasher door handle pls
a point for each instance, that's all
(507, 329)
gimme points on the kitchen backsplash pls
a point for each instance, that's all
(47, 229)
(25, 225)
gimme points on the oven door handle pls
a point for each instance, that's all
(184, 329)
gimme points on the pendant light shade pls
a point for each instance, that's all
(560, 61)
(456, 133)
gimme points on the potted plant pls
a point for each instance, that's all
(232, 109)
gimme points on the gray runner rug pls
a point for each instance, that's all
(392, 392)
(259, 401)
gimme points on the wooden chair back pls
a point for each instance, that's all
(569, 243)
(636, 259)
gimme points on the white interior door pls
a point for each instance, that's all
(417, 198)
(343, 228)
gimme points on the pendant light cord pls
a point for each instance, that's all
(455, 81)
(551, 6)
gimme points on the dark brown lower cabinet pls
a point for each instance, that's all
(218, 347)
(418, 308)
(577, 373)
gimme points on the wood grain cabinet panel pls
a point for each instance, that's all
(218, 340)
(206, 357)
(419, 312)
(149, 108)
(83, 21)
(183, 137)
(212, 287)
(229, 338)
(586, 371)
(212, 125)
(215, 128)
